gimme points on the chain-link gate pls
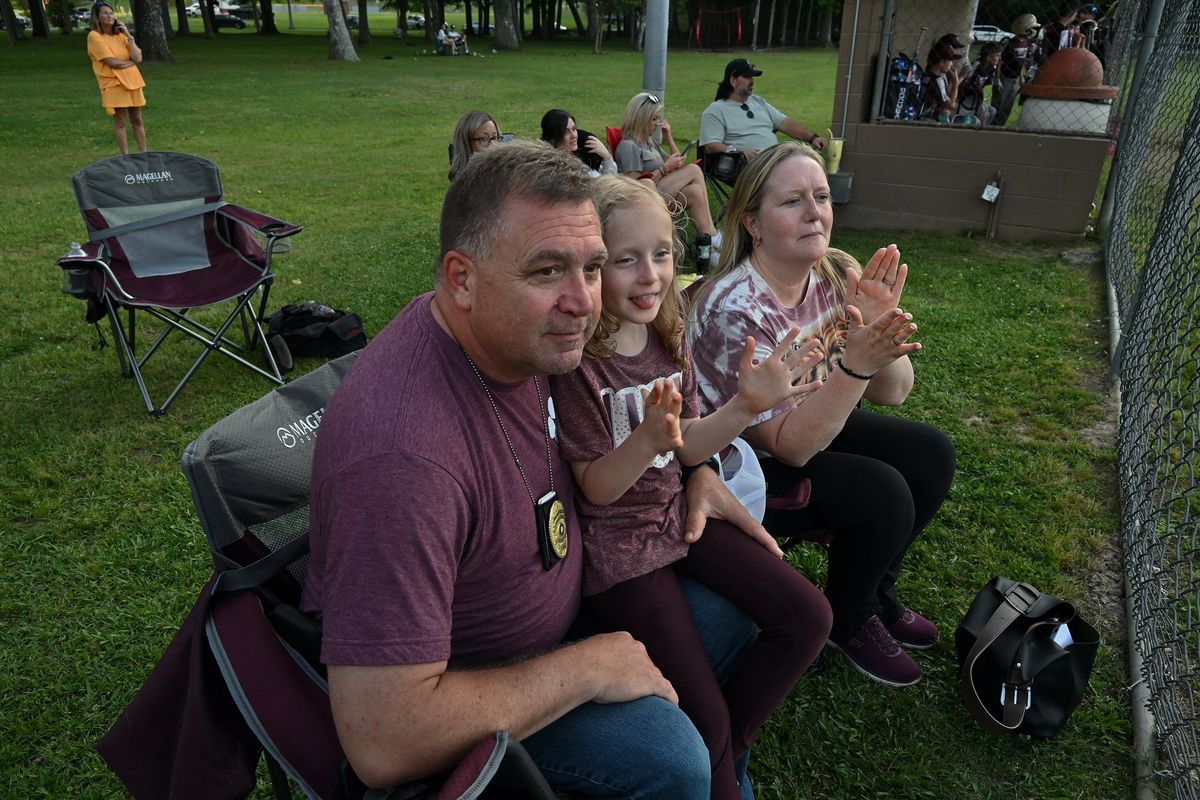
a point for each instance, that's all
(1153, 256)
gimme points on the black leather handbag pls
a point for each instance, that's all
(1024, 659)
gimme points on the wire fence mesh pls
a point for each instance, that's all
(1153, 255)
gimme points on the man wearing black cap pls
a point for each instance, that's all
(739, 119)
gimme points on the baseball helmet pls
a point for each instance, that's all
(1025, 25)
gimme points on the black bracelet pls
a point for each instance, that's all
(852, 373)
(688, 472)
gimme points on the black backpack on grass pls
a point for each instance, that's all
(312, 329)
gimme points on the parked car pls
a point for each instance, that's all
(352, 21)
(990, 33)
(228, 21)
(193, 10)
(22, 23)
(416, 21)
(82, 13)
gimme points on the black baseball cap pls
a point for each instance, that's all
(952, 40)
(1090, 8)
(742, 67)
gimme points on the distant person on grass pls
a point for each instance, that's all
(475, 131)
(446, 560)
(115, 56)
(738, 118)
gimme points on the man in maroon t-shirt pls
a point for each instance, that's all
(443, 601)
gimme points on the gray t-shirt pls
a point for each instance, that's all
(726, 121)
(634, 157)
(424, 539)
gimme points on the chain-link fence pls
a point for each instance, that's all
(1153, 255)
(1033, 65)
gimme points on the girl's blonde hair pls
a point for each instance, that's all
(461, 148)
(618, 193)
(747, 198)
(638, 122)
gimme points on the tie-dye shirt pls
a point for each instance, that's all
(741, 304)
(598, 405)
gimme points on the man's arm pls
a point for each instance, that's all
(402, 722)
(798, 131)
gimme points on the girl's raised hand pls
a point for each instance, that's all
(768, 383)
(659, 429)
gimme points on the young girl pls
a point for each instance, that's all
(627, 418)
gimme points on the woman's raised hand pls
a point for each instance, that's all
(871, 347)
(660, 422)
(768, 383)
(596, 146)
(879, 287)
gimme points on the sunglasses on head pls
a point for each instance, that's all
(651, 98)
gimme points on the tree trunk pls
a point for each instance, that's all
(431, 23)
(10, 22)
(267, 27)
(37, 19)
(580, 28)
(182, 29)
(206, 14)
(595, 25)
(506, 29)
(165, 9)
(468, 24)
(152, 33)
(62, 16)
(825, 37)
(340, 46)
(364, 30)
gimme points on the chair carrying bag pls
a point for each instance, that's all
(725, 166)
(1024, 659)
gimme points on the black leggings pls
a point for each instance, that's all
(875, 488)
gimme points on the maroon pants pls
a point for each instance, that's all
(792, 615)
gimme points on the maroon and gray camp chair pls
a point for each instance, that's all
(163, 242)
(249, 475)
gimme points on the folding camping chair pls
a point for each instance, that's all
(161, 241)
(720, 173)
(249, 476)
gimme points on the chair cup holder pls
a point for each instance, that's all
(77, 282)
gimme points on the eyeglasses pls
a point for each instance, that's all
(749, 113)
(485, 139)
(651, 98)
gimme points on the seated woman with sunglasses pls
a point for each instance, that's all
(475, 131)
(640, 156)
(558, 130)
(740, 120)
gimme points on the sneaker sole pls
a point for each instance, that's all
(871, 675)
(908, 646)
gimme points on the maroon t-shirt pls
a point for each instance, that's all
(424, 539)
(599, 405)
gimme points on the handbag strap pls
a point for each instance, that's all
(1015, 698)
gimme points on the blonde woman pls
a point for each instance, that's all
(876, 480)
(640, 156)
(115, 56)
(475, 131)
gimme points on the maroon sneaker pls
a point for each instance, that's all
(912, 631)
(873, 652)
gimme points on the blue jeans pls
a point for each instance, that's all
(647, 748)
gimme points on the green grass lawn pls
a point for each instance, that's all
(100, 551)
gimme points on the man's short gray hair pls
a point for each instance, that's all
(473, 217)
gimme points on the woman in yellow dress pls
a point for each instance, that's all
(115, 57)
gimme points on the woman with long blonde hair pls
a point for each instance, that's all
(639, 155)
(876, 480)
